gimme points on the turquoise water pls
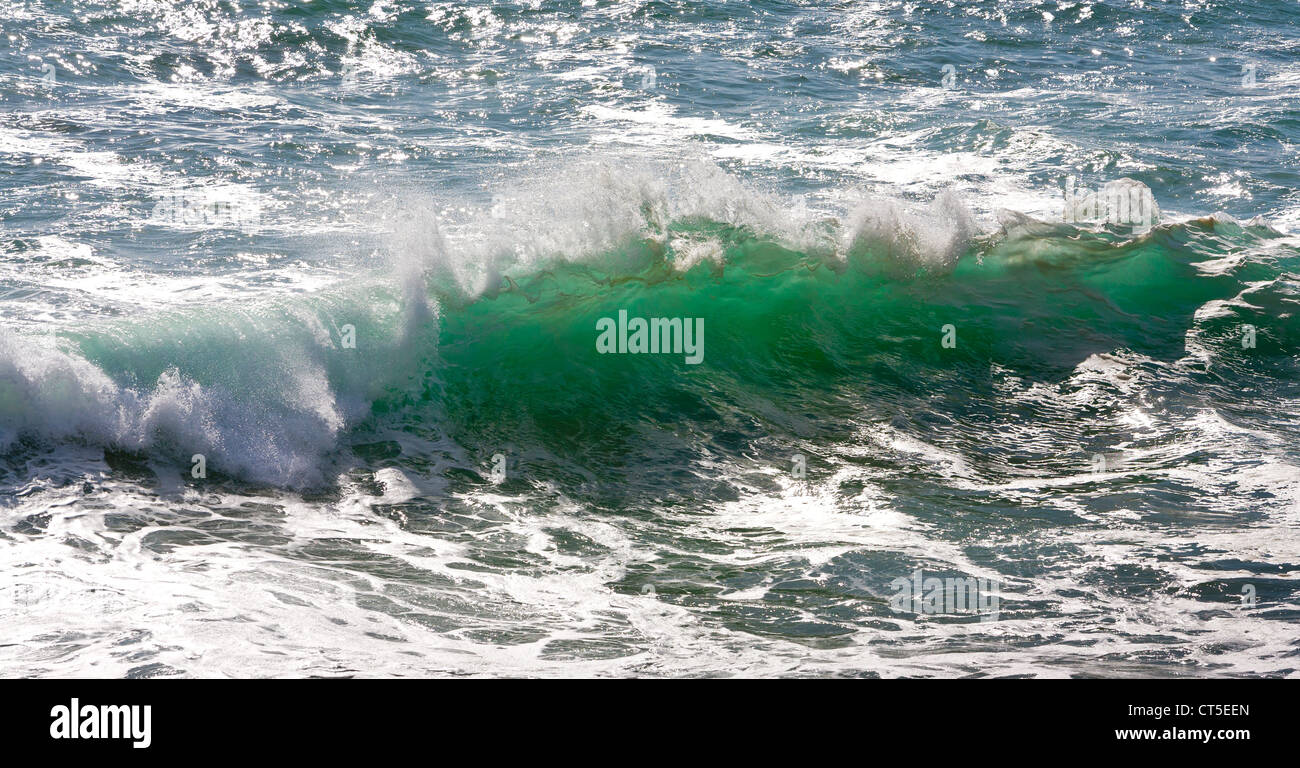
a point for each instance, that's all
(301, 367)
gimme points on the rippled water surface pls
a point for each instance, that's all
(300, 369)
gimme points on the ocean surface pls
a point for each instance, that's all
(300, 369)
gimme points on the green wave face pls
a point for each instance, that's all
(801, 349)
(807, 349)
